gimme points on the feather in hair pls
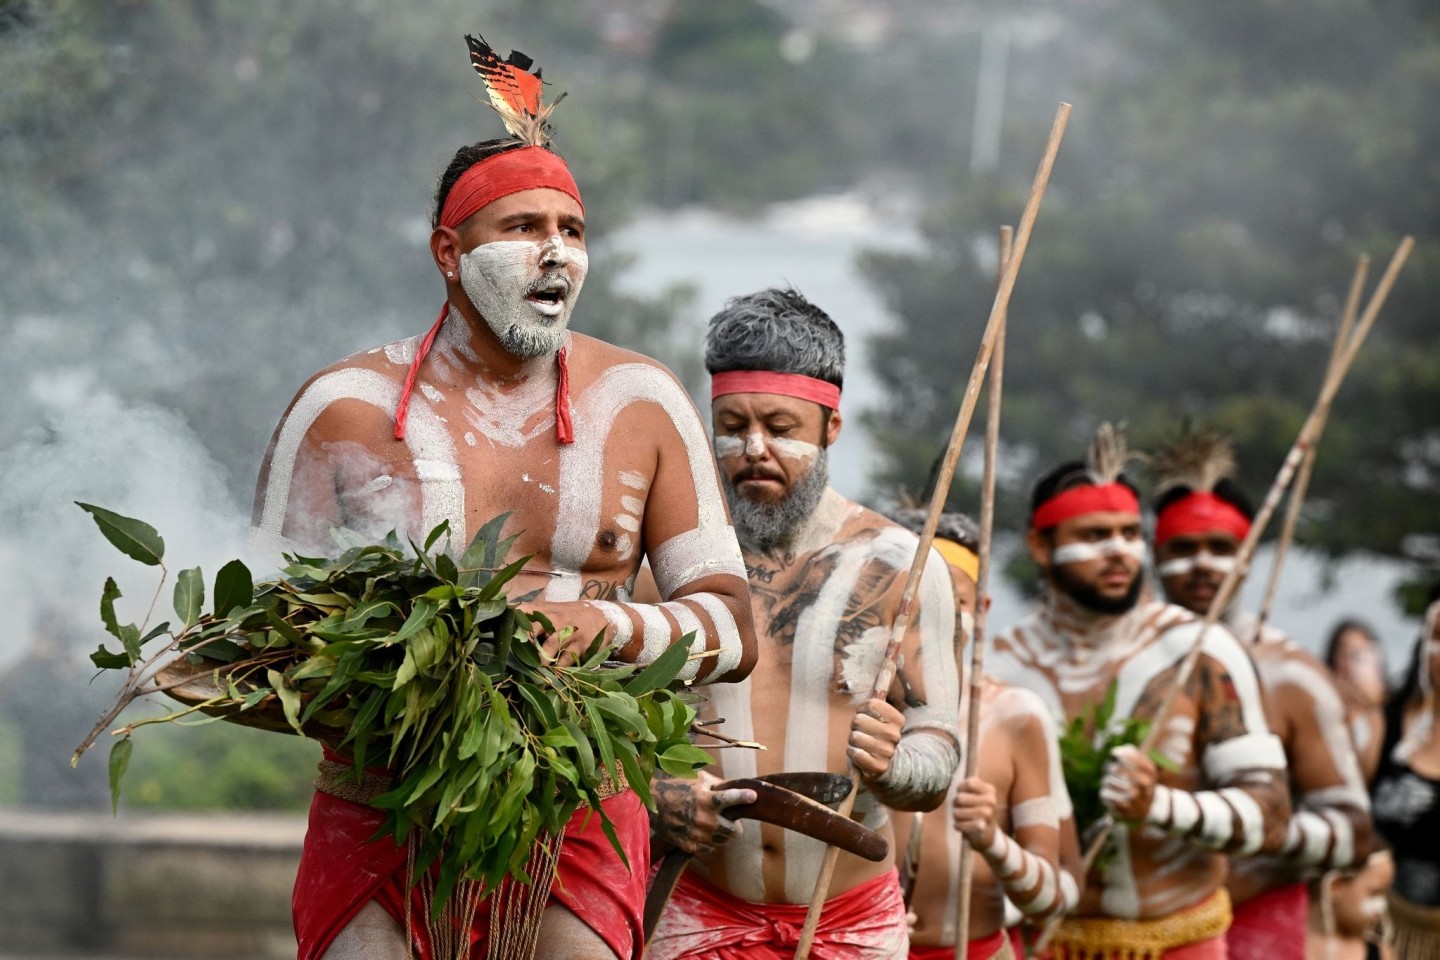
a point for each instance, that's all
(1108, 454)
(1194, 459)
(514, 92)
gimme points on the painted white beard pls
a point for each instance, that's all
(497, 276)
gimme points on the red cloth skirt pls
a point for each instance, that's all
(1271, 926)
(341, 870)
(982, 948)
(703, 922)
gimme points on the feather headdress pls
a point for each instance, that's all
(1108, 454)
(1196, 459)
(516, 93)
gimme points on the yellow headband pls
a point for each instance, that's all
(961, 557)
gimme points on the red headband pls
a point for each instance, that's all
(1200, 512)
(785, 384)
(1078, 501)
(523, 168)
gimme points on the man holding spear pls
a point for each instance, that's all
(1201, 520)
(826, 576)
(1158, 889)
(1015, 812)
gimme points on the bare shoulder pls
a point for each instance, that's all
(357, 394)
(590, 359)
(1019, 711)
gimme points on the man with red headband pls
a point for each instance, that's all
(600, 458)
(1201, 518)
(1158, 888)
(826, 577)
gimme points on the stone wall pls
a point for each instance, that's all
(198, 887)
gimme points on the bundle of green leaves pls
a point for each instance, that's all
(414, 660)
(1085, 749)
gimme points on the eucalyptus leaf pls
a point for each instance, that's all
(119, 763)
(189, 595)
(134, 538)
(233, 588)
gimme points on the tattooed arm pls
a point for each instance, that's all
(1247, 810)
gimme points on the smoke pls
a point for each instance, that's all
(138, 460)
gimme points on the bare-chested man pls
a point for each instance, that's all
(1159, 889)
(1201, 518)
(599, 456)
(1015, 812)
(825, 576)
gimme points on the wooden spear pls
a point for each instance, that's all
(982, 603)
(1302, 479)
(1333, 378)
(941, 492)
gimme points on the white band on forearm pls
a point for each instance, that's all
(658, 634)
(921, 769)
(1030, 882)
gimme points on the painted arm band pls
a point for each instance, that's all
(920, 771)
(1228, 820)
(1033, 884)
(1321, 838)
(657, 632)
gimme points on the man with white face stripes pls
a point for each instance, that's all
(600, 459)
(1202, 517)
(1158, 889)
(826, 576)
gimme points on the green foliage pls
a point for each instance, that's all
(415, 659)
(1085, 748)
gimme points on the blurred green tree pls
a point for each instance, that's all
(1224, 166)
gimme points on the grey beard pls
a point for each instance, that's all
(530, 340)
(763, 526)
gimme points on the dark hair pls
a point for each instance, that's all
(776, 329)
(465, 158)
(1067, 476)
(1226, 489)
(955, 527)
(1400, 696)
(1332, 645)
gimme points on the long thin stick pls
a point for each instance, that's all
(942, 491)
(1334, 377)
(982, 604)
(1302, 479)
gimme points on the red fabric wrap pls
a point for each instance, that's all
(523, 168)
(785, 384)
(1200, 512)
(1271, 926)
(341, 869)
(1078, 501)
(704, 922)
(981, 948)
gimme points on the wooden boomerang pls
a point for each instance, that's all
(794, 801)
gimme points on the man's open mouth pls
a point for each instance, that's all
(548, 295)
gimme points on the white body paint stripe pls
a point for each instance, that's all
(429, 443)
(1246, 752)
(731, 701)
(726, 631)
(692, 555)
(1252, 820)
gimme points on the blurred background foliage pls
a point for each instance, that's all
(203, 201)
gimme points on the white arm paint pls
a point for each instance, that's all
(1033, 884)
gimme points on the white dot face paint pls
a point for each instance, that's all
(525, 291)
(1083, 552)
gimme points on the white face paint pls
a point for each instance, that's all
(1180, 566)
(1114, 547)
(755, 445)
(502, 279)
